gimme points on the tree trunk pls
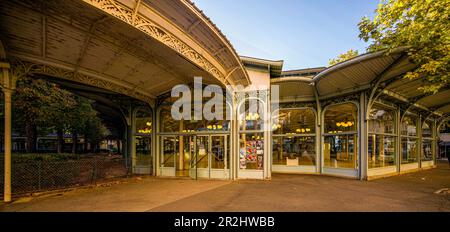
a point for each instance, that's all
(31, 133)
(60, 141)
(85, 147)
(74, 142)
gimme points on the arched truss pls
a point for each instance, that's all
(138, 15)
(126, 46)
(21, 68)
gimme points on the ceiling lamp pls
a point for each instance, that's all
(252, 116)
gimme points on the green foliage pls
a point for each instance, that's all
(94, 130)
(343, 57)
(422, 26)
(44, 105)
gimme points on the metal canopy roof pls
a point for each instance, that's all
(381, 74)
(137, 48)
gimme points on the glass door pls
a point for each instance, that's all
(143, 160)
(200, 164)
(185, 156)
(169, 149)
(219, 157)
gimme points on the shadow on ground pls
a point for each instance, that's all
(409, 192)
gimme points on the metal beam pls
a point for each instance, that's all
(87, 41)
(193, 26)
(135, 11)
(376, 82)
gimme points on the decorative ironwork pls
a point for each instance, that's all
(348, 98)
(142, 23)
(291, 105)
(21, 68)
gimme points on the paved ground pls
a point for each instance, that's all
(410, 192)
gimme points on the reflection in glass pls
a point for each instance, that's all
(143, 139)
(296, 121)
(341, 118)
(409, 126)
(251, 151)
(427, 153)
(168, 124)
(202, 147)
(426, 130)
(218, 156)
(185, 160)
(169, 151)
(340, 151)
(381, 121)
(251, 118)
(381, 151)
(294, 151)
(409, 150)
(143, 150)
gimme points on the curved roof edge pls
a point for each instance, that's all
(357, 59)
(219, 33)
(274, 66)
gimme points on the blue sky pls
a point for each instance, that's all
(303, 33)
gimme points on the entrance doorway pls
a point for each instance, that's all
(195, 156)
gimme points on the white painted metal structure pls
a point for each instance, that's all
(142, 48)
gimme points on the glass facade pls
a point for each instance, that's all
(206, 145)
(194, 148)
(427, 142)
(340, 136)
(251, 151)
(294, 140)
(143, 138)
(382, 138)
(251, 135)
(410, 140)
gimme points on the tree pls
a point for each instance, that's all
(41, 107)
(93, 132)
(343, 57)
(420, 25)
(78, 117)
(35, 104)
(59, 109)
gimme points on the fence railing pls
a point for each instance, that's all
(36, 176)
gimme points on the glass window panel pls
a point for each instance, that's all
(381, 150)
(409, 150)
(277, 151)
(218, 156)
(427, 152)
(144, 122)
(143, 150)
(170, 147)
(251, 115)
(426, 130)
(204, 125)
(294, 150)
(381, 121)
(251, 151)
(409, 126)
(341, 118)
(340, 151)
(298, 121)
(168, 124)
(202, 157)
